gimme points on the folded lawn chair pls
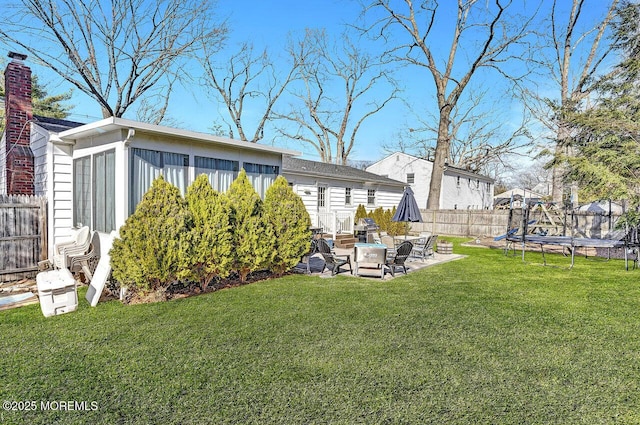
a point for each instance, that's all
(103, 270)
(332, 261)
(77, 245)
(398, 258)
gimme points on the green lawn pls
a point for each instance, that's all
(486, 339)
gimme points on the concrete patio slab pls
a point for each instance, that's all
(316, 264)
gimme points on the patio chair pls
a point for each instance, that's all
(424, 250)
(388, 241)
(87, 262)
(332, 261)
(306, 258)
(398, 258)
(77, 245)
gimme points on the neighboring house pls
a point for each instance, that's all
(461, 189)
(333, 192)
(95, 174)
(516, 197)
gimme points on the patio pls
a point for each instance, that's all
(371, 271)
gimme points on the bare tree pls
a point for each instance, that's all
(478, 140)
(115, 51)
(336, 93)
(247, 81)
(575, 60)
(482, 37)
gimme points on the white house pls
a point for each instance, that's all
(333, 192)
(461, 189)
(95, 174)
(516, 197)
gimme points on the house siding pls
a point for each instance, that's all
(471, 193)
(53, 179)
(452, 196)
(60, 194)
(3, 164)
(306, 187)
(39, 139)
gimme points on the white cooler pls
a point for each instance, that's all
(57, 292)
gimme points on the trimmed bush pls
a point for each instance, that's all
(253, 241)
(383, 218)
(209, 253)
(361, 212)
(285, 213)
(147, 255)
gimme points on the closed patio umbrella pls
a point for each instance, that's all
(408, 208)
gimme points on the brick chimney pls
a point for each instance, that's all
(19, 176)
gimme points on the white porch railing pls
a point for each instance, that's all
(335, 222)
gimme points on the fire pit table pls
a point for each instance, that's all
(370, 253)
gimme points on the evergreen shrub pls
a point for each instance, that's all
(383, 218)
(209, 252)
(147, 255)
(285, 213)
(253, 240)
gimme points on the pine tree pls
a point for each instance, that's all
(287, 216)
(605, 136)
(49, 105)
(253, 241)
(209, 252)
(147, 255)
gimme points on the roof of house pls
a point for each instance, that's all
(450, 168)
(519, 192)
(115, 124)
(334, 171)
(55, 125)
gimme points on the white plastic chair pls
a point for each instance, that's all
(77, 245)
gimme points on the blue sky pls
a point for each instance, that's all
(268, 23)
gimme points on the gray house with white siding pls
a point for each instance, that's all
(333, 192)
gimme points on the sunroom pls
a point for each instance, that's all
(96, 174)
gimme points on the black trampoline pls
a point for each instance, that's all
(625, 240)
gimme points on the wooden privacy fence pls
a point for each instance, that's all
(23, 235)
(474, 223)
(463, 222)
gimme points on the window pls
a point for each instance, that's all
(147, 165)
(221, 172)
(322, 196)
(104, 189)
(411, 178)
(261, 176)
(371, 196)
(82, 192)
(94, 191)
(347, 196)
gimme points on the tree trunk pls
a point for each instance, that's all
(557, 191)
(443, 147)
